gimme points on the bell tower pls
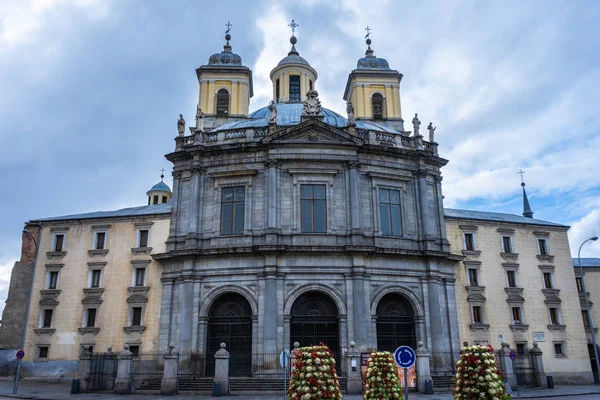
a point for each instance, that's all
(225, 88)
(374, 90)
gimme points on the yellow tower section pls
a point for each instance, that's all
(225, 85)
(374, 89)
(293, 77)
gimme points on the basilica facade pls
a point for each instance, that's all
(291, 224)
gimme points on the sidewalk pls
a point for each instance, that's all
(49, 391)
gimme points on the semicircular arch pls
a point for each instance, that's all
(217, 292)
(410, 295)
(315, 287)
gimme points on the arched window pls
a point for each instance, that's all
(222, 102)
(377, 105)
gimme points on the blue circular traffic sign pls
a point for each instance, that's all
(20, 354)
(512, 355)
(405, 357)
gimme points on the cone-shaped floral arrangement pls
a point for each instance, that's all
(381, 380)
(478, 376)
(314, 375)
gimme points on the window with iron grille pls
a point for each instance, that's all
(313, 213)
(222, 102)
(232, 210)
(42, 352)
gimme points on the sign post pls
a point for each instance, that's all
(513, 357)
(20, 354)
(283, 361)
(405, 357)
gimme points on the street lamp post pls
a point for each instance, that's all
(27, 232)
(587, 304)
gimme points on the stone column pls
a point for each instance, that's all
(508, 373)
(270, 319)
(123, 381)
(354, 385)
(168, 386)
(85, 363)
(354, 197)
(361, 314)
(186, 312)
(173, 229)
(222, 369)
(271, 165)
(423, 372)
(423, 202)
(110, 360)
(538, 365)
(193, 228)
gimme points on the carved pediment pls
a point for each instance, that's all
(476, 298)
(312, 131)
(48, 301)
(514, 298)
(92, 300)
(137, 298)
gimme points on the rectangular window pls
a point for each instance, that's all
(232, 210)
(43, 352)
(511, 278)
(96, 276)
(579, 282)
(164, 199)
(294, 88)
(554, 317)
(473, 277)
(521, 348)
(559, 349)
(586, 319)
(507, 244)
(469, 242)
(310, 84)
(91, 318)
(477, 315)
(136, 316)
(100, 239)
(135, 350)
(389, 212)
(277, 90)
(548, 280)
(314, 215)
(59, 240)
(543, 247)
(155, 199)
(53, 280)
(516, 315)
(47, 320)
(143, 235)
(140, 276)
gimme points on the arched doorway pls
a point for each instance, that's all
(395, 323)
(314, 320)
(230, 322)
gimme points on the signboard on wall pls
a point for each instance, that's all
(539, 336)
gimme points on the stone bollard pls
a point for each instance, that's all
(508, 372)
(123, 381)
(85, 363)
(168, 386)
(354, 385)
(423, 371)
(110, 365)
(538, 365)
(222, 369)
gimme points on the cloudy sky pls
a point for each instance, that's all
(90, 92)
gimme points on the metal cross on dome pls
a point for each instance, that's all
(228, 25)
(293, 25)
(368, 32)
(521, 172)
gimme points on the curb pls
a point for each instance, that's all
(540, 396)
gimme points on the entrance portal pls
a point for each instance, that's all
(314, 321)
(395, 323)
(230, 322)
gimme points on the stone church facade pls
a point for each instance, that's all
(288, 224)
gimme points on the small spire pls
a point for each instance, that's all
(526, 207)
(369, 52)
(227, 47)
(162, 175)
(293, 39)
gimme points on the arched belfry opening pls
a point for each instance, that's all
(222, 102)
(230, 322)
(314, 320)
(395, 323)
(377, 104)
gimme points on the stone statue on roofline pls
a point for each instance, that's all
(272, 112)
(312, 104)
(181, 125)
(431, 130)
(416, 124)
(350, 111)
(199, 119)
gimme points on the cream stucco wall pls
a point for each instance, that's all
(362, 88)
(113, 313)
(236, 83)
(497, 311)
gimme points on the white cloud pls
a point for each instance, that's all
(583, 229)
(5, 272)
